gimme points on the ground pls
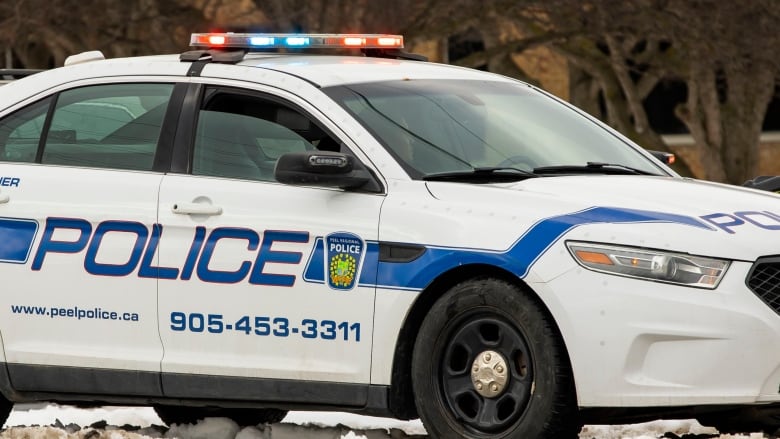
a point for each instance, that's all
(60, 422)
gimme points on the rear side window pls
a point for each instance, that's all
(107, 126)
(103, 126)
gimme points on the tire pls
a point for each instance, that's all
(466, 328)
(6, 407)
(243, 417)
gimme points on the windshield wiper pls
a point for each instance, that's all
(592, 168)
(483, 175)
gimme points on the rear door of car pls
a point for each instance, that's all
(78, 236)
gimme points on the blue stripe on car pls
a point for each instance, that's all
(518, 259)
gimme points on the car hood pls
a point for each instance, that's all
(685, 215)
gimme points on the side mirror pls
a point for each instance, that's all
(765, 182)
(322, 169)
(666, 158)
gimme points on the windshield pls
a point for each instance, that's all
(445, 126)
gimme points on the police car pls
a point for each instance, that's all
(248, 228)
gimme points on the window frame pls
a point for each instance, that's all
(184, 148)
(163, 149)
(35, 144)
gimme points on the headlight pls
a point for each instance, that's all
(654, 265)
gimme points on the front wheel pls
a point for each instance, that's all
(488, 363)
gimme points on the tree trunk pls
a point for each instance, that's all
(701, 114)
(584, 91)
(743, 115)
(726, 126)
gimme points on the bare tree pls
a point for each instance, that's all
(618, 50)
(43, 33)
(730, 68)
(723, 51)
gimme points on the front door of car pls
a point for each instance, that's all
(260, 281)
(79, 311)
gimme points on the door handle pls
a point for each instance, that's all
(196, 209)
(4, 198)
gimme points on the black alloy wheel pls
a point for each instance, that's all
(488, 362)
(470, 383)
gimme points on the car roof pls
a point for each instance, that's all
(321, 70)
(328, 70)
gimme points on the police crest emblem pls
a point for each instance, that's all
(343, 257)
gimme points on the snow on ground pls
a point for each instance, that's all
(63, 422)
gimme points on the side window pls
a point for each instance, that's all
(107, 126)
(21, 132)
(241, 136)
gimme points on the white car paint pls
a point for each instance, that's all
(631, 342)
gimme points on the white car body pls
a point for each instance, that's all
(631, 342)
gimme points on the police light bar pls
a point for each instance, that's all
(296, 41)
